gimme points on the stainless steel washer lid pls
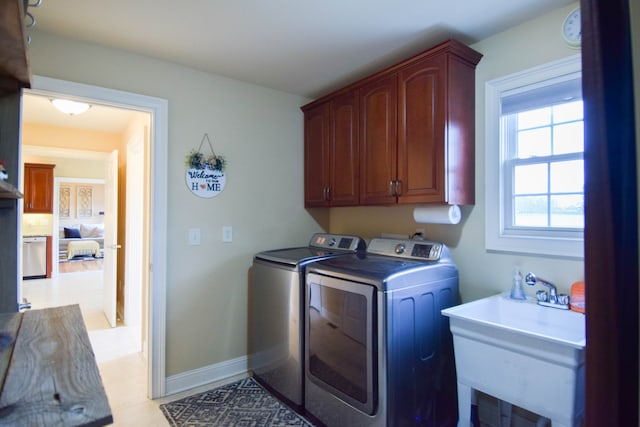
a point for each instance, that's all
(321, 245)
(295, 256)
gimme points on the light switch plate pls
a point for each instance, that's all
(227, 234)
(194, 236)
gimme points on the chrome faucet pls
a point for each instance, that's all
(548, 299)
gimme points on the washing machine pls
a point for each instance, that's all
(378, 351)
(276, 324)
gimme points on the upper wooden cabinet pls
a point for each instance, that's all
(416, 129)
(316, 155)
(378, 135)
(14, 64)
(331, 152)
(38, 188)
(436, 122)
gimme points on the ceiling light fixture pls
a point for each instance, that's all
(72, 108)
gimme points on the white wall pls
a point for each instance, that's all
(260, 131)
(482, 273)
(71, 168)
(533, 43)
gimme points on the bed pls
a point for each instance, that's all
(80, 239)
(83, 247)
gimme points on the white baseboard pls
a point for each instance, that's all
(205, 375)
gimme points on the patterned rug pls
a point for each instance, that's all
(244, 403)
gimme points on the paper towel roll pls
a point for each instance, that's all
(447, 214)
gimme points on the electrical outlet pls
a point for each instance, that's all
(227, 234)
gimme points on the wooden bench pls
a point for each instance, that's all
(48, 371)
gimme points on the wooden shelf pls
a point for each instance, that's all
(15, 72)
(8, 191)
(49, 371)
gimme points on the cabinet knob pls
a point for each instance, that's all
(391, 186)
(398, 187)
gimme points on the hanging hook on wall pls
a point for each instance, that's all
(197, 159)
(30, 20)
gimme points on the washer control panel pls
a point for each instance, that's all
(337, 241)
(406, 248)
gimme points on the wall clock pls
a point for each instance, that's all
(571, 29)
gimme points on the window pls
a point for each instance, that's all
(535, 166)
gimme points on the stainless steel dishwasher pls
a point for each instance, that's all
(34, 257)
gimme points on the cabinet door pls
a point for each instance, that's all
(316, 156)
(344, 170)
(378, 107)
(38, 188)
(421, 136)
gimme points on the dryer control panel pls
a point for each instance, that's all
(406, 248)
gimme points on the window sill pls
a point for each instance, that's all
(542, 246)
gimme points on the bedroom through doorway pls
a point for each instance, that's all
(81, 149)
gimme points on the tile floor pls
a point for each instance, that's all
(122, 367)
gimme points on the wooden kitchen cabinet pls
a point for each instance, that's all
(436, 142)
(38, 188)
(378, 132)
(431, 158)
(316, 156)
(49, 256)
(416, 129)
(331, 152)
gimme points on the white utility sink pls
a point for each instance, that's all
(521, 353)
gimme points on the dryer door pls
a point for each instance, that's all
(342, 341)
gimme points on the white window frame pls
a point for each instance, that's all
(496, 238)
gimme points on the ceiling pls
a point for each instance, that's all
(300, 47)
(39, 110)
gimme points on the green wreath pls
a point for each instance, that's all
(197, 160)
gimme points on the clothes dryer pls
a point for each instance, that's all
(378, 351)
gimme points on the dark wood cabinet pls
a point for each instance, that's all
(331, 152)
(436, 142)
(38, 188)
(378, 133)
(9, 214)
(316, 155)
(14, 64)
(343, 149)
(49, 256)
(14, 75)
(421, 136)
(416, 129)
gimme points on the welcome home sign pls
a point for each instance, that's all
(205, 176)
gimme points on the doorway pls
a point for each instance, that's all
(153, 300)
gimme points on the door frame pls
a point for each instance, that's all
(158, 109)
